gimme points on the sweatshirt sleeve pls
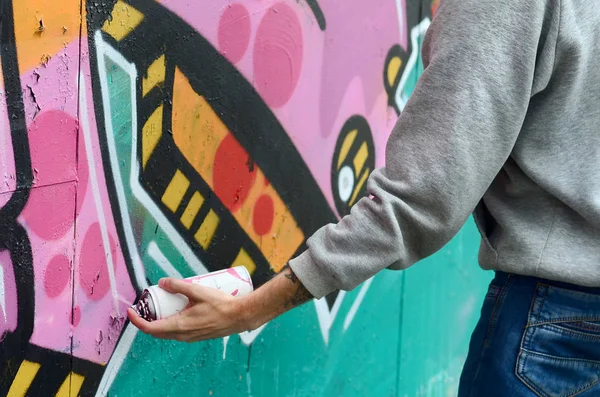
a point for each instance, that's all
(451, 140)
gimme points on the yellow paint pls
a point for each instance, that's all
(155, 75)
(124, 19)
(361, 158)
(23, 379)
(207, 229)
(393, 69)
(71, 386)
(151, 133)
(359, 185)
(33, 44)
(243, 259)
(198, 131)
(175, 191)
(192, 210)
(346, 145)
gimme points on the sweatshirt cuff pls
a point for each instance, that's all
(318, 282)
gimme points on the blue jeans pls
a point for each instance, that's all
(534, 338)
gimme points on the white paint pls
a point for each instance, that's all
(85, 126)
(104, 49)
(327, 317)
(249, 383)
(162, 261)
(249, 336)
(401, 19)
(356, 303)
(2, 294)
(345, 183)
(117, 359)
(415, 33)
(138, 267)
(225, 342)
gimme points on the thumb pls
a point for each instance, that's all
(176, 286)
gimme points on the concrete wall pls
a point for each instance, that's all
(143, 138)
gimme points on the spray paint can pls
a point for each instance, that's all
(156, 303)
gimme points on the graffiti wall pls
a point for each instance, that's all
(142, 138)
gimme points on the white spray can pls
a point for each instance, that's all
(156, 303)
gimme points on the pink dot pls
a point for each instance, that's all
(52, 142)
(234, 32)
(76, 316)
(263, 215)
(93, 268)
(278, 55)
(56, 277)
(49, 210)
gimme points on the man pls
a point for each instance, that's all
(505, 123)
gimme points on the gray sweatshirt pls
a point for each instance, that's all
(505, 124)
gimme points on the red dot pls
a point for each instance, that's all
(49, 210)
(76, 316)
(233, 173)
(93, 270)
(56, 277)
(263, 215)
(234, 32)
(278, 54)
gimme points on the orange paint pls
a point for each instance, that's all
(61, 23)
(198, 132)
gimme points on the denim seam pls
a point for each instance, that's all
(565, 320)
(520, 364)
(536, 389)
(566, 331)
(496, 310)
(493, 316)
(561, 359)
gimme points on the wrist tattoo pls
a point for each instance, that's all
(301, 295)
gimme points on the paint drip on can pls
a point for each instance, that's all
(155, 303)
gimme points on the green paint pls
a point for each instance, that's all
(408, 337)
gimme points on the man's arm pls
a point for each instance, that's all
(213, 314)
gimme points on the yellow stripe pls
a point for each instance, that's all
(175, 191)
(346, 147)
(393, 69)
(156, 75)
(361, 158)
(23, 379)
(124, 19)
(207, 230)
(361, 182)
(243, 259)
(71, 386)
(192, 210)
(151, 133)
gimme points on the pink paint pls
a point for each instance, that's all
(93, 266)
(53, 139)
(278, 55)
(49, 213)
(10, 310)
(57, 275)
(234, 32)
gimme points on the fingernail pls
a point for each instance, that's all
(161, 282)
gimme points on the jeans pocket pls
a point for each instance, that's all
(560, 349)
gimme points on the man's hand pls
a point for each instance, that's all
(214, 314)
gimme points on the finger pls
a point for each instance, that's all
(158, 328)
(176, 286)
